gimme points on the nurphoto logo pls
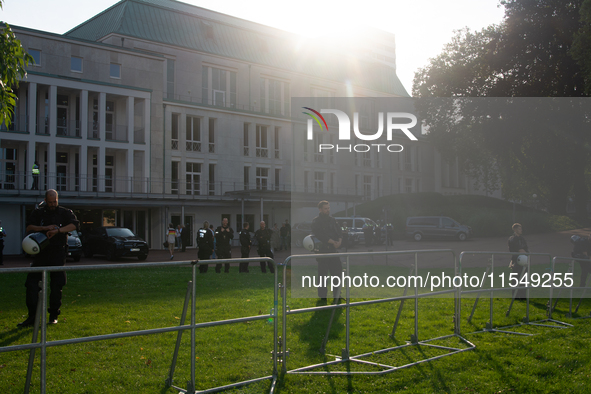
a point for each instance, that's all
(392, 123)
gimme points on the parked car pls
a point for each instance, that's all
(114, 242)
(420, 227)
(74, 246)
(300, 230)
(356, 226)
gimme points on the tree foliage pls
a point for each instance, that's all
(13, 60)
(535, 147)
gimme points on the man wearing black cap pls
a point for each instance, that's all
(55, 222)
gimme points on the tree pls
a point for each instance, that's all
(13, 60)
(527, 55)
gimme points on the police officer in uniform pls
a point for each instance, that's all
(245, 244)
(35, 176)
(55, 222)
(517, 244)
(223, 243)
(327, 231)
(205, 244)
(263, 237)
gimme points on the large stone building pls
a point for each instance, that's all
(156, 111)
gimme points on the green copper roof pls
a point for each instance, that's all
(183, 25)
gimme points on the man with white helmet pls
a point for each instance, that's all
(55, 222)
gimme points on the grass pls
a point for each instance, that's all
(107, 301)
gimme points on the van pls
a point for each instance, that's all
(419, 227)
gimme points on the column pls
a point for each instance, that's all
(130, 178)
(51, 158)
(84, 176)
(130, 115)
(147, 169)
(53, 114)
(84, 114)
(102, 109)
(100, 163)
(30, 161)
(32, 108)
(147, 122)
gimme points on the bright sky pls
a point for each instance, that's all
(422, 27)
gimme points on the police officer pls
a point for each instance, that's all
(325, 228)
(55, 221)
(223, 244)
(518, 244)
(35, 176)
(2, 235)
(205, 244)
(263, 236)
(245, 244)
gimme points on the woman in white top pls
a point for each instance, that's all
(170, 238)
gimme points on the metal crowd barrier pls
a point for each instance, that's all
(571, 269)
(346, 356)
(40, 323)
(490, 270)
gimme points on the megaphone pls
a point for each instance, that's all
(35, 243)
(312, 243)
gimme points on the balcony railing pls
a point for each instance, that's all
(229, 105)
(19, 184)
(68, 128)
(19, 124)
(116, 132)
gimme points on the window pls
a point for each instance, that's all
(306, 176)
(115, 70)
(262, 178)
(175, 132)
(407, 161)
(274, 97)
(170, 78)
(261, 142)
(246, 178)
(277, 171)
(408, 185)
(305, 146)
(367, 186)
(331, 151)
(174, 181)
(109, 119)
(109, 173)
(276, 136)
(246, 150)
(318, 157)
(76, 64)
(193, 134)
(331, 183)
(212, 179)
(218, 87)
(193, 178)
(211, 135)
(318, 182)
(36, 54)
(366, 159)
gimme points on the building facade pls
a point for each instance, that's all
(156, 111)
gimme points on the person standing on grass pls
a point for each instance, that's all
(263, 237)
(170, 238)
(517, 244)
(245, 245)
(325, 228)
(205, 244)
(223, 244)
(55, 222)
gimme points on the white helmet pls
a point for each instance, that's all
(522, 260)
(311, 243)
(35, 243)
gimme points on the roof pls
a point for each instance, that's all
(179, 24)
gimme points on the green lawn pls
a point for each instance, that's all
(108, 301)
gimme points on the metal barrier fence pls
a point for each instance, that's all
(41, 316)
(346, 357)
(527, 268)
(571, 269)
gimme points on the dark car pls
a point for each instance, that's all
(74, 246)
(114, 242)
(420, 227)
(300, 230)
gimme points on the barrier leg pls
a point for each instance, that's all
(477, 297)
(401, 305)
(34, 340)
(515, 293)
(168, 381)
